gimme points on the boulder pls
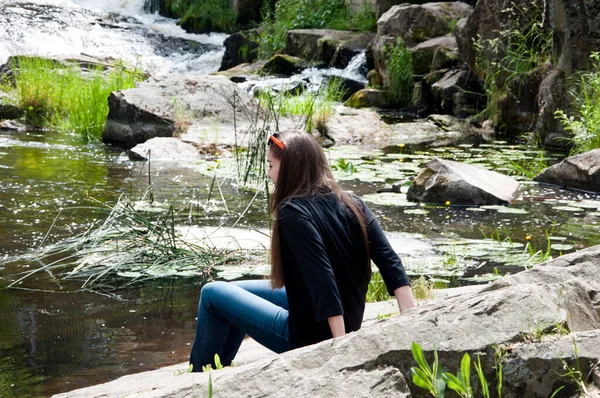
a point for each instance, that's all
(458, 92)
(352, 126)
(201, 105)
(520, 316)
(488, 19)
(8, 109)
(428, 134)
(579, 172)
(241, 72)
(240, 48)
(334, 48)
(576, 32)
(434, 54)
(283, 65)
(164, 149)
(418, 23)
(444, 181)
(552, 97)
(349, 86)
(368, 97)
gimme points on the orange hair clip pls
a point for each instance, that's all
(276, 141)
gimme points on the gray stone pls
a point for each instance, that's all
(418, 23)
(461, 184)
(201, 107)
(434, 54)
(519, 317)
(580, 171)
(552, 97)
(12, 125)
(352, 126)
(334, 48)
(165, 148)
(455, 91)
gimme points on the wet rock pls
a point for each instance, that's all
(8, 109)
(579, 171)
(240, 48)
(418, 23)
(334, 48)
(375, 80)
(349, 86)
(368, 97)
(201, 105)
(12, 125)
(461, 184)
(552, 97)
(284, 65)
(434, 54)
(164, 149)
(519, 318)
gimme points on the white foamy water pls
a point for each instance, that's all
(117, 28)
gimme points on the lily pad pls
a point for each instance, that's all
(561, 247)
(129, 274)
(567, 208)
(512, 210)
(416, 211)
(388, 199)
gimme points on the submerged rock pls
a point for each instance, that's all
(445, 181)
(579, 171)
(521, 316)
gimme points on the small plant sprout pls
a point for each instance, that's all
(485, 390)
(461, 383)
(424, 376)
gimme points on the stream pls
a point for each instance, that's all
(57, 337)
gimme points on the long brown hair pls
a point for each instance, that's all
(303, 171)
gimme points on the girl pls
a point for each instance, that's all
(322, 244)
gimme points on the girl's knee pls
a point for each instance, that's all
(212, 290)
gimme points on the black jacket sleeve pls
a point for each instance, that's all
(382, 254)
(298, 234)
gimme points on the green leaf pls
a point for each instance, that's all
(421, 380)
(417, 352)
(465, 370)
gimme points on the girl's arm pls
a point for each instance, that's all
(404, 297)
(336, 324)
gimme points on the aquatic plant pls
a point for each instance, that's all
(523, 45)
(400, 70)
(584, 123)
(61, 97)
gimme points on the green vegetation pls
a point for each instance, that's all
(524, 45)
(584, 125)
(203, 16)
(400, 70)
(63, 98)
(432, 379)
(308, 14)
(377, 290)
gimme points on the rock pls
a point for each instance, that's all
(576, 32)
(458, 92)
(368, 97)
(418, 23)
(351, 126)
(375, 80)
(162, 107)
(284, 65)
(334, 48)
(12, 125)
(164, 149)
(349, 86)
(241, 72)
(240, 48)
(488, 19)
(579, 172)
(552, 97)
(434, 54)
(8, 109)
(461, 184)
(518, 317)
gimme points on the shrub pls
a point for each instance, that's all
(400, 70)
(203, 16)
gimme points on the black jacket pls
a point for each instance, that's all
(324, 261)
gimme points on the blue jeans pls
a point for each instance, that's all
(230, 310)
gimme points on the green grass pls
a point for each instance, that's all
(308, 14)
(584, 123)
(204, 16)
(400, 70)
(377, 290)
(63, 98)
